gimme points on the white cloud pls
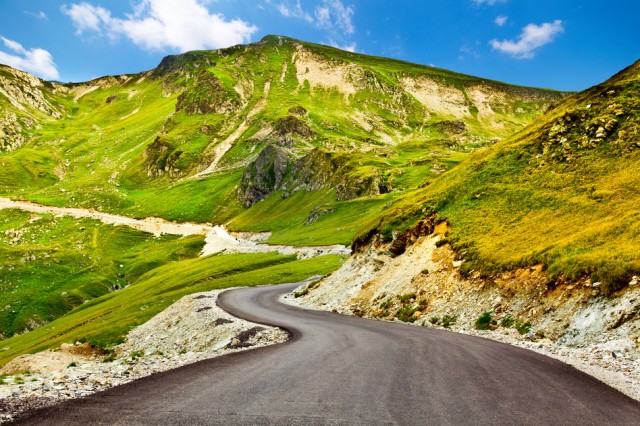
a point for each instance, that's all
(87, 17)
(294, 12)
(501, 20)
(162, 24)
(489, 2)
(333, 15)
(36, 61)
(531, 38)
(350, 47)
(38, 15)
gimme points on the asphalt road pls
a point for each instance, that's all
(344, 370)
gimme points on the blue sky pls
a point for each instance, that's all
(560, 44)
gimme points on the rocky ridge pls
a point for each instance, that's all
(190, 330)
(27, 103)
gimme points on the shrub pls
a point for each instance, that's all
(404, 298)
(385, 304)
(523, 328)
(448, 320)
(484, 321)
(434, 320)
(406, 314)
(508, 321)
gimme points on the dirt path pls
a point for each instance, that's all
(217, 237)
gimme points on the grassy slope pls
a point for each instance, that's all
(49, 265)
(94, 157)
(106, 320)
(555, 193)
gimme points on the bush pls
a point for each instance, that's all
(434, 320)
(448, 320)
(484, 321)
(385, 304)
(508, 321)
(404, 298)
(523, 328)
(406, 314)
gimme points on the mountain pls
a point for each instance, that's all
(310, 143)
(539, 232)
(563, 192)
(178, 140)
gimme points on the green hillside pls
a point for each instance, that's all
(564, 192)
(310, 143)
(139, 144)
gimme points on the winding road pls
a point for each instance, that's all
(345, 370)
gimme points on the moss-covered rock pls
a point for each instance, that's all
(206, 96)
(276, 169)
(291, 125)
(264, 175)
(160, 158)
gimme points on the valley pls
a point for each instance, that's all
(420, 195)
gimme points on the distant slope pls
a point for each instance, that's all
(564, 192)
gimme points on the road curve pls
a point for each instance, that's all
(345, 370)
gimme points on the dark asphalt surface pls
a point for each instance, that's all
(344, 370)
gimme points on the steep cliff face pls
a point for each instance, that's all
(265, 175)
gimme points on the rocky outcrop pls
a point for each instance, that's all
(291, 125)
(206, 95)
(23, 99)
(277, 169)
(321, 169)
(160, 158)
(603, 117)
(451, 127)
(12, 130)
(265, 175)
(298, 110)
